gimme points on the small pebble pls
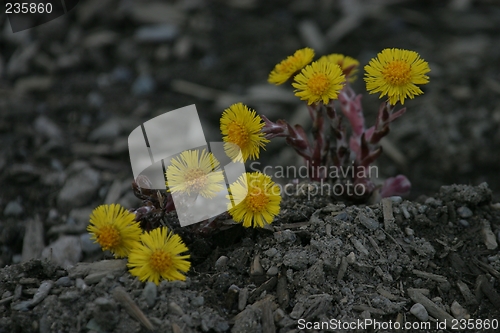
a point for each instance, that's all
(351, 258)
(405, 211)
(80, 284)
(89, 245)
(409, 231)
(464, 212)
(368, 222)
(464, 223)
(272, 271)
(458, 311)
(285, 236)
(419, 311)
(94, 99)
(175, 309)
(64, 281)
(143, 85)
(396, 199)
(149, 293)
(121, 74)
(13, 208)
(272, 251)
(221, 263)
(198, 301)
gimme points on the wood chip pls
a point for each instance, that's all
(388, 214)
(393, 152)
(114, 192)
(483, 285)
(487, 268)
(466, 293)
(359, 246)
(311, 35)
(256, 268)
(266, 286)
(122, 297)
(369, 309)
(342, 269)
(33, 243)
(242, 299)
(267, 315)
(430, 276)
(282, 292)
(433, 309)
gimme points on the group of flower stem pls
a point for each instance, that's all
(394, 73)
(154, 253)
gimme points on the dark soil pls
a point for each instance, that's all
(72, 90)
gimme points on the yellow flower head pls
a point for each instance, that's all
(158, 257)
(349, 65)
(396, 73)
(242, 130)
(115, 229)
(195, 173)
(256, 198)
(319, 81)
(290, 66)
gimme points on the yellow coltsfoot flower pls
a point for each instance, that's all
(241, 129)
(194, 172)
(283, 71)
(348, 64)
(256, 199)
(395, 73)
(319, 82)
(115, 229)
(158, 256)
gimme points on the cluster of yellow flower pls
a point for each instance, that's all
(394, 73)
(254, 199)
(256, 196)
(152, 256)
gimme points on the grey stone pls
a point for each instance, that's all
(464, 223)
(106, 132)
(368, 222)
(285, 236)
(94, 99)
(47, 128)
(464, 212)
(64, 281)
(419, 311)
(296, 259)
(149, 293)
(272, 271)
(79, 189)
(143, 85)
(198, 301)
(396, 199)
(66, 251)
(69, 296)
(273, 251)
(13, 208)
(80, 284)
(156, 33)
(121, 74)
(89, 245)
(221, 263)
(104, 313)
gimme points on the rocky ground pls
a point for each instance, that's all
(72, 90)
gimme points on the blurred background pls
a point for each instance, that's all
(71, 91)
